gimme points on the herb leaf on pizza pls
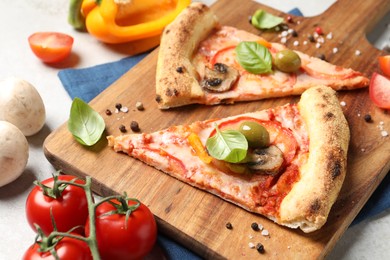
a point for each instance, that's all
(287, 163)
(201, 61)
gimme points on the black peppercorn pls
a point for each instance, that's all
(321, 56)
(118, 106)
(311, 38)
(367, 118)
(255, 226)
(294, 33)
(134, 126)
(260, 248)
(229, 225)
(122, 128)
(108, 112)
(180, 69)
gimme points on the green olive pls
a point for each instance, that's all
(287, 61)
(256, 134)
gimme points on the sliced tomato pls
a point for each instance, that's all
(51, 47)
(225, 55)
(384, 64)
(380, 90)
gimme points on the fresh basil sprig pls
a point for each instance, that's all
(228, 145)
(254, 57)
(263, 20)
(86, 125)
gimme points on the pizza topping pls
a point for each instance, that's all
(267, 160)
(256, 134)
(287, 61)
(229, 145)
(254, 57)
(220, 79)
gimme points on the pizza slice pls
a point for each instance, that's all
(202, 62)
(286, 163)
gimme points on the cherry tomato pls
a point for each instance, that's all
(380, 90)
(66, 249)
(51, 47)
(69, 210)
(384, 64)
(118, 239)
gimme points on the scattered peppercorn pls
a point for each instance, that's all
(250, 19)
(367, 118)
(108, 112)
(311, 38)
(255, 226)
(180, 69)
(321, 56)
(122, 128)
(118, 106)
(289, 19)
(294, 33)
(134, 126)
(229, 225)
(319, 31)
(139, 106)
(260, 248)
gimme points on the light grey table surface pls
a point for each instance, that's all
(20, 18)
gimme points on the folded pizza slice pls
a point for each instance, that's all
(286, 163)
(201, 61)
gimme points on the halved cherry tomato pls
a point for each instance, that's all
(384, 64)
(67, 249)
(69, 209)
(124, 237)
(380, 90)
(51, 47)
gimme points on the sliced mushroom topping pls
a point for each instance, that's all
(268, 160)
(219, 79)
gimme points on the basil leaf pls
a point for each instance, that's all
(263, 20)
(254, 57)
(228, 145)
(84, 123)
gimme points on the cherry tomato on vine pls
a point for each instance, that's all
(69, 207)
(384, 64)
(119, 237)
(66, 249)
(51, 47)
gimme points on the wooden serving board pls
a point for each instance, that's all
(196, 218)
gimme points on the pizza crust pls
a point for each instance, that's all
(176, 77)
(308, 204)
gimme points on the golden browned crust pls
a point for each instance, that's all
(308, 204)
(176, 78)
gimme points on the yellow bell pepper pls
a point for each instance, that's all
(120, 21)
(198, 147)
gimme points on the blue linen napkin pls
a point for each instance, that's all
(87, 83)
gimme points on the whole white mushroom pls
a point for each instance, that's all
(14, 152)
(21, 105)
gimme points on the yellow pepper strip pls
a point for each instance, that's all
(113, 22)
(199, 149)
(264, 42)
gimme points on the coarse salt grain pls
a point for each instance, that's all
(357, 53)
(265, 232)
(384, 133)
(318, 45)
(335, 50)
(304, 42)
(124, 109)
(251, 245)
(283, 40)
(320, 39)
(284, 33)
(342, 103)
(296, 43)
(261, 227)
(329, 36)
